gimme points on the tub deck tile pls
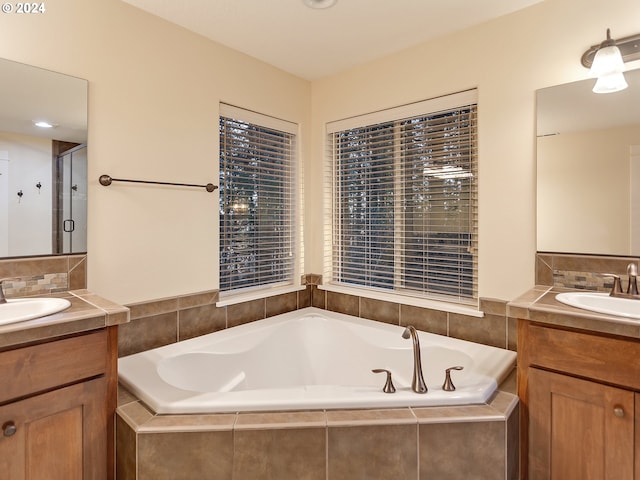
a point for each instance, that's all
(280, 420)
(388, 416)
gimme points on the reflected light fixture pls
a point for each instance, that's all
(606, 62)
(43, 124)
(319, 4)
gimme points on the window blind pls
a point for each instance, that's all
(403, 200)
(258, 221)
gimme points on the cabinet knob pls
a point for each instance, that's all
(9, 428)
(618, 411)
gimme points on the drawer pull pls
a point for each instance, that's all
(618, 411)
(9, 428)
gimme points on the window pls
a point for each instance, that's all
(259, 231)
(403, 199)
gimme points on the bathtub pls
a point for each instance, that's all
(309, 359)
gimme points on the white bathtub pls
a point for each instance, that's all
(309, 359)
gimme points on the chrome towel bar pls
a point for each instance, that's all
(106, 180)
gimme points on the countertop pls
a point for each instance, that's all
(540, 305)
(87, 312)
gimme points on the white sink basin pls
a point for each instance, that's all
(20, 309)
(602, 303)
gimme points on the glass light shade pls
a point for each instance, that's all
(607, 61)
(613, 82)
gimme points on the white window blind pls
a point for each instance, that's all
(402, 200)
(258, 219)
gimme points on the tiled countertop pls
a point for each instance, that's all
(540, 305)
(88, 311)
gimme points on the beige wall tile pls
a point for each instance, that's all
(125, 451)
(196, 321)
(342, 303)
(147, 333)
(380, 452)
(433, 321)
(280, 454)
(281, 303)
(489, 330)
(185, 456)
(380, 310)
(198, 299)
(318, 297)
(245, 312)
(154, 307)
(462, 451)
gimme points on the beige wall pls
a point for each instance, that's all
(507, 60)
(154, 90)
(583, 202)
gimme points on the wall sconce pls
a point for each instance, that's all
(606, 62)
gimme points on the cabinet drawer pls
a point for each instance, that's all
(609, 360)
(37, 368)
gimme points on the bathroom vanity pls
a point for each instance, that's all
(59, 386)
(579, 387)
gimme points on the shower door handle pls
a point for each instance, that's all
(68, 225)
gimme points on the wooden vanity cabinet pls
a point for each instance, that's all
(57, 401)
(579, 404)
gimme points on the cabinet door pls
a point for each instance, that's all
(59, 435)
(579, 430)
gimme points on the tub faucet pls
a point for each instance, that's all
(2, 280)
(417, 384)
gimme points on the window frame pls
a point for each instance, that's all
(295, 232)
(395, 115)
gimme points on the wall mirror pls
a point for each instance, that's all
(588, 169)
(43, 166)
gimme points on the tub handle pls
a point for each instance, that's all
(388, 386)
(448, 385)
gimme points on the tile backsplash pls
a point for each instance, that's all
(580, 271)
(43, 275)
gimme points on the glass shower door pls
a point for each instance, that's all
(72, 196)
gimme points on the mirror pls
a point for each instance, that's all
(43, 171)
(588, 169)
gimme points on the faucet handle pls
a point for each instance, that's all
(617, 286)
(388, 386)
(2, 280)
(448, 385)
(632, 272)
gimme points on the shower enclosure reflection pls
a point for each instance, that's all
(70, 224)
(43, 171)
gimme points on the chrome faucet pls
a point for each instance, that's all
(417, 384)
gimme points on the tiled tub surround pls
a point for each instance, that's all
(476, 442)
(161, 322)
(471, 442)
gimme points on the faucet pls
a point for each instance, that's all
(2, 280)
(632, 286)
(417, 384)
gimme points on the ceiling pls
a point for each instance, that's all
(315, 43)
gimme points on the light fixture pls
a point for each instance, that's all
(447, 172)
(319, 4)
(43, 124)
(606, 62)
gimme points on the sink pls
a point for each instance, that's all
(21, 309)
(602, 303)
